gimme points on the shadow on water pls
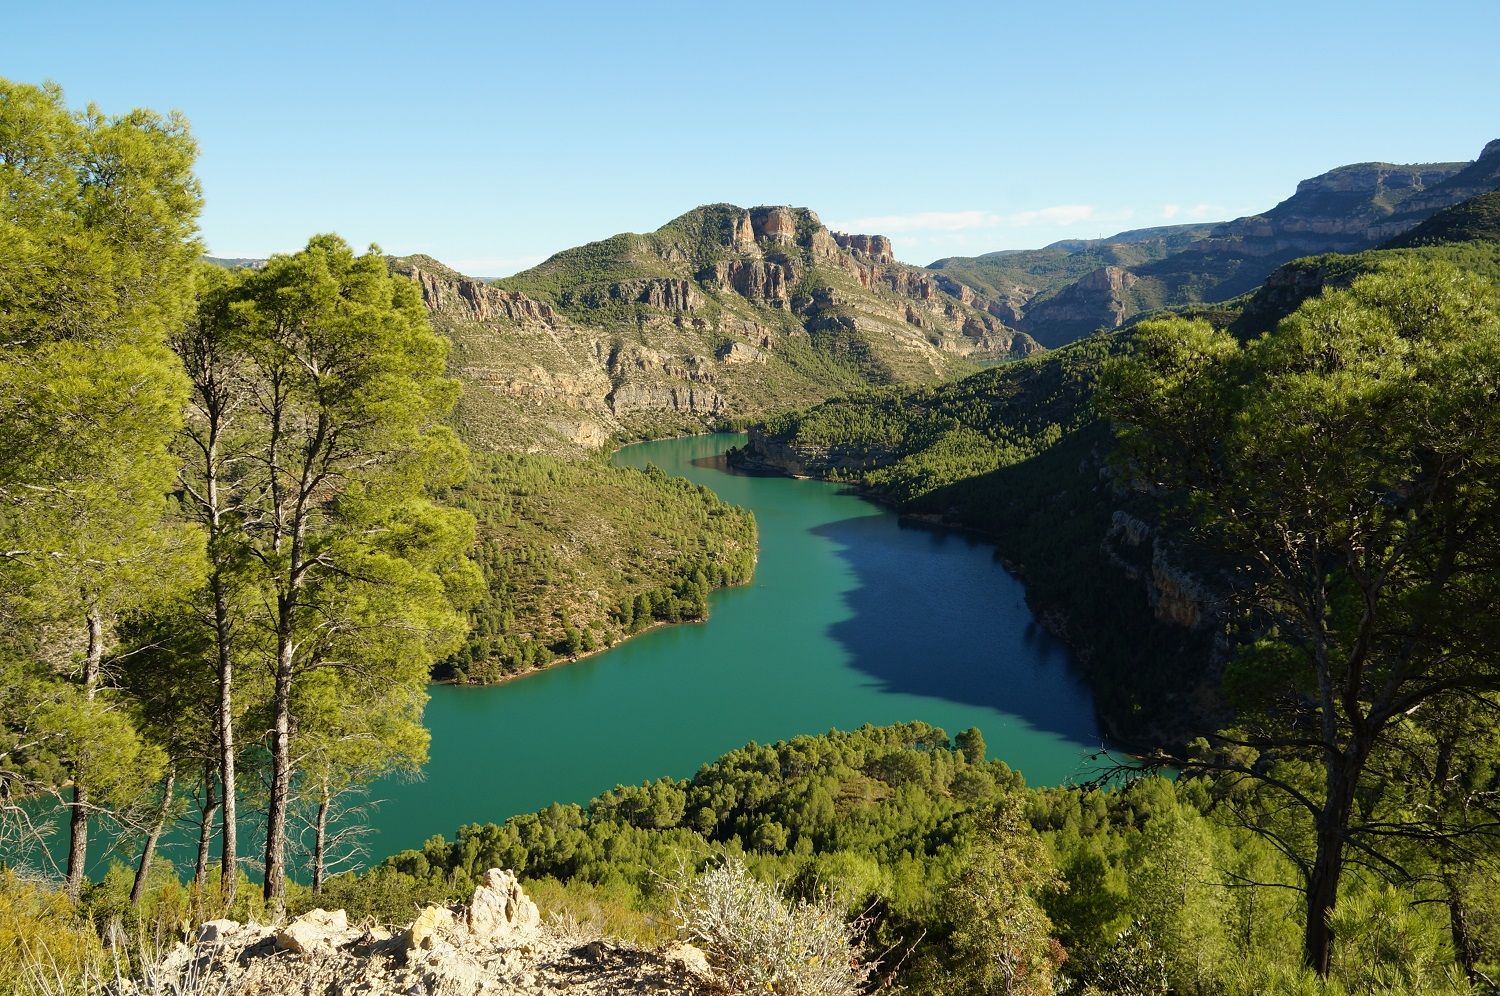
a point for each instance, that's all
(978, 643)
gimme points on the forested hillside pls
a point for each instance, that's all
(972, 882)
(578, 555)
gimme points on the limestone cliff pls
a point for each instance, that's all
(1069, 289)
(724, 312)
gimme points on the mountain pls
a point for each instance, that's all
(722, 313)
(1069, 289)
(1475, 220)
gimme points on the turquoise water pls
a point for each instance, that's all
(853, 618)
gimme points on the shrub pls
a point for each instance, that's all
(761, 942)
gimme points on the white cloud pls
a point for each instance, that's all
(495, 266)
(963, 221)
(1062, 214)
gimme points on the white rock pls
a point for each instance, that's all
(213, 931)
(690, 959)
(501, 910)
(316, 931)
(423, 931)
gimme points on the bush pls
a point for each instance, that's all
(762, 943)
(45, 946)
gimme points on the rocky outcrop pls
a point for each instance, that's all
(774, 224)
(313, 933)
(1345, 210)
(666, 294)
(756, 279)
(1099, 300)
(495, 945)
(875, 247)
(739, 352)
(768, 454)
(1178, 596)
(709, 317)
(501, 910)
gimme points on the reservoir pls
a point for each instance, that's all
(853, 617)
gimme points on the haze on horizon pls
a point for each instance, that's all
(491, 136)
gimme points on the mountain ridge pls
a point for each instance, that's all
(1070, 288)
(722, 313)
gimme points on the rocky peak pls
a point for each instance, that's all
(774, 224)
(877, 247)
(1492, 149)
(1374, 178)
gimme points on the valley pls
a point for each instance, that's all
(733, 605)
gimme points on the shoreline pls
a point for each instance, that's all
(1050, 618)
(564, 660)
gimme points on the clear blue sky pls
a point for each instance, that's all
(493, 134)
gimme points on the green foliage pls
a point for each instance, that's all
(1350, 462)
(96, 256)
(43, 935)
(578, 555)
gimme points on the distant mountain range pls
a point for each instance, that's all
(728, 313)
(1069, 289)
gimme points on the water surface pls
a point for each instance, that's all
(852, 618)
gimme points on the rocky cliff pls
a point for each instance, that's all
(723, 312)
(497, 944)
(1072, 288)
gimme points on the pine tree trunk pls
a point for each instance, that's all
(149, 851)
(318, 843)
(229, 865)
(205, 830)
(281, 770)
(1328, 865)
(1464, 946)
(78, 838)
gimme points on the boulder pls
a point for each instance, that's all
(213, 931)
(500, 909)
(689, 959)
(424, 929)
(317, 931)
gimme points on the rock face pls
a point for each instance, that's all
(1177, 595)
(1099, 300)
(501, 910)
(763, 452)
(497, 945)
(876, 247)
(722, 312)
(1071, 288)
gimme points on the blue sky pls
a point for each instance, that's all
(493, 134)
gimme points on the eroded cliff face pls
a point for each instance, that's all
(1178, 595)
(1345, 210)
(1099, 300)
(767, 453)
(724, 312)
